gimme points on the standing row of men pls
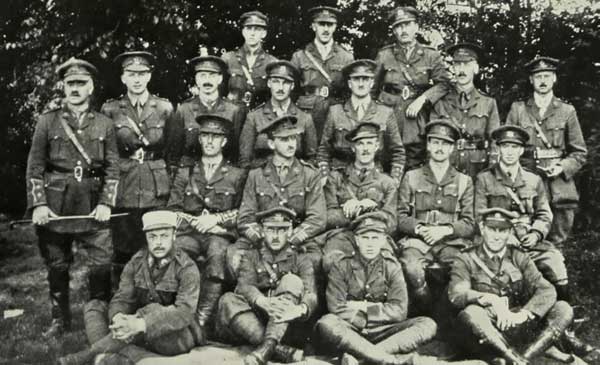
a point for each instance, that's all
(146, 156)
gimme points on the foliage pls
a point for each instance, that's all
(40, 34)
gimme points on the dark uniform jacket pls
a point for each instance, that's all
(379, 282)
(255, 281)
(165, 297)
(193, 194)
(54, 161)
(422, 200)
(240, 90)
(313, 80)
(345, 183)
(517, 279)
(491, 191)
(185, 147)
(342, 118)
(476, 119)
(254, 150)
(144, 183)
(301, 191)
(566, 144)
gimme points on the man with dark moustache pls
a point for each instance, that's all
(247, 76)
(275, 294)
(139, 119)
(321, 63)
(72, 169)
(152, 312)
(335, 150)
(209, 195)
(435, 213)
(472, 111)
(209, 72)
(282, 78)
(508, 311)
(409, 75)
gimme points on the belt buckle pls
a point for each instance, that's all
(78, 173)
(324, 91)
(247, 98)
(139, 155)
(205, 212)
(405, 92)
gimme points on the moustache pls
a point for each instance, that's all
(462, 74)
(207, 84)
(543, 85)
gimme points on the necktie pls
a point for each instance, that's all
(363, 174)
(282, 170)
(360, 111)
(209, 170)
(140, 109)
(463, 99)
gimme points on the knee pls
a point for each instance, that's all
(328, 323)
(95, 305)
(291, 284)
(217, 246)
(427, 326)
(561, 312)
(473, 314)
(226, 299)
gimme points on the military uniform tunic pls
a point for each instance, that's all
(241, 91)
(476, 118)
(400, 80)
(185, 147)
(254, 150)
(342, 118)
(318, 92)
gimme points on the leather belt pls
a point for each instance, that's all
(322, 91)
(464, 144)
(547, 153)
(406, 91)
(142, 155)
(78, 172)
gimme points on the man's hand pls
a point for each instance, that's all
(101, 213)
(285, 310)
(433, 234)
(415, 107)
(555, 170)
(351, 208)
(203, 223)
(254, 233)
(508, 319)
(357, 305)
(125, 327)
(41, 215)
(530, 239)
(298, 236)
(266, 304)
(367, 204)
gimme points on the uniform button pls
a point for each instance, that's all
(206, 200)
(274, 266)
(188, 193)
(282, 189)
(439, 202)
(367, 286)
(514, 189)
(79, 131)
(440, 188)
(462, 154)
(208, 186)
(78, 163)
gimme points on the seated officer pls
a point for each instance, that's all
(504, 300)
(356, 189)
(275, 291)
(435, 210)
(209, 194)
(367, 301)
(154, 306)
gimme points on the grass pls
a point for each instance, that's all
(23, 285)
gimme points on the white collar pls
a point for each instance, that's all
(215, 160)
(491, 255)
(439, 169)
(543, 100)
(209, 100)
(324, 49)
(364, 102)
(281, 106)
(141, 99)
(512, 170)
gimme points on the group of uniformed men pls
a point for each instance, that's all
(304, 206)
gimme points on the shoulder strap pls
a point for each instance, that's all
(248, 75)
(283, 200)
(138, 131)
(272, 274)
(538, 129)
(482, 265)
(318, 66)
(516, 199)
(75, 141)
(149, 282)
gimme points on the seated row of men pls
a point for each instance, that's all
(435, 215)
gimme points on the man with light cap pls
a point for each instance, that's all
(367, 301)
(321, 63)
(510, 186)
(472, 111)
(508, 311)
(275, 295)
(209, 195)
(139, 119)
(435, 213)
(152, 312)
(247, 76)
(284, 181)
(209, 73)
(72, 170)
(335, 150)
(282, 78)
(556, 147)
(409, 75)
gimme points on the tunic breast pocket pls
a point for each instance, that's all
(556, 134)
(261, 142)
(266, 198)
(339, 138)
(224, 197)
(191, 139)
(154, 130)
(421, 75)
(309, 74)
(58, 147)
(528, 197)
(264, 280)
(483, 283)
(392, 76)
(296, 196)
(423, 199)
(161, 178)
(97, 148)
(449, 198)
(167, 290)
(498, 198)
(372, 193)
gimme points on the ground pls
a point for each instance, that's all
(23, 286)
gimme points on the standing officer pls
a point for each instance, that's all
(139, 119)
(367, 301)
(556, 147)
(72, 169)
(209, 74)
(473, 112)
(247, 76)
(284, 181)
(154, 306)
(209, 194)
(282, 78)
(503, 298)
(275, 291)
(321, 63)
(335, 150)
(435, 210)
(406, 72)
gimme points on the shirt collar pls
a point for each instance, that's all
(491, 255)
(163, 262)
(141, 99)
(511, 171)
(324, 49)
(282, 106)
(282, 162)
(542, 100)
(209, 100)
(215, 160)
(364, 102)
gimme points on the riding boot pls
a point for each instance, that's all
(210, 293)
(58, 281)
(262, 354)
(287, 354)
(99, 280)
(247, 326)
(410, 338)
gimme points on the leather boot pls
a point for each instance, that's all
(408, 340)
(541, 343)
(78, 358)
(262, 354)
(569, 342)
(563, 292)
(99, 280)
(247, 326)
(559, 318)
(287, 354)
(210, 292)
(58, 281)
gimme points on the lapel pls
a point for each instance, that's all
(416, 54)
(283, 255)
(370, 112)
(534, 111)
(293, 173)
(241, 56)
(127, 109)
(350, 112)
(149, 108)
(358, 271)
(552, 108)
(428, 174)
(506, 181)
(260, 58)
(69, 117)
(312, 49)
(449, 176)
(374, 270)
(219, 173)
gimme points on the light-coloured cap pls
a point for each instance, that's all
(159, 219)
